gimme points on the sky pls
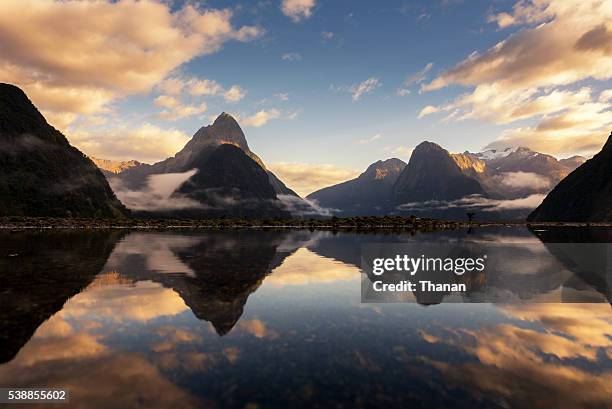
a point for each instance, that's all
(321, 88)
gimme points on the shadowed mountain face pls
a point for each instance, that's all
(371, 193)
(433, 175)
(584, 195)
(41, 174)
(39, 272)
(228, 182)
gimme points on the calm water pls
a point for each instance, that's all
(251, 318)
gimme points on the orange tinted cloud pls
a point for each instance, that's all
(78, 56)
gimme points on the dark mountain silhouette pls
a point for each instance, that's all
(433, 174)
(41, 174)
(371, 193)
(584, 195)
(229, 182)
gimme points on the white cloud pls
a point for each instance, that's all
(234, 94)
(283, 96)
(261, 117)
(145, 143)
(477, 202)
(166, 101)
(402, 92)
(531, 74)
(182, 111)
(518, 180)
(203, 87)
(158, 194)
(292, 56)
(297, 10)
(365, 87)
(418, 77)
(54, 62)
(370, 139)
(192, 88)
(428, 110)
(327, 35)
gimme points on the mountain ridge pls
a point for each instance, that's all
(585, 195)
(41, 174)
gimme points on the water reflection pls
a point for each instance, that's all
(251, 318)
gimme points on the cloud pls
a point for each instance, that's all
(327, 35)
(402, 92)
(292, 56)
(301, 207)
(297, 10)
(546, 55)
(519, 180)
(158, 194)
(54, 63)
(305, 178)
(476, 202)
(177, 88)
(261, 117)
(166, 101)
(145, 143)
(428, 110)
(182, 111)
(418, 77)
(203, 87)
(581, 129)
(363, 88)
(370, 139)
(283, 96)
(533, 72)
(234, 94)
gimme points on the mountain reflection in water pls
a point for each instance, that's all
(273, 319)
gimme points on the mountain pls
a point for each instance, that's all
(111, 167)
(230, 179)
(584, 195)
(371, 193)
(225, 130)
(433, 174)
(41, 174)
(514, 173)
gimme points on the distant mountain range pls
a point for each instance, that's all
(503, 183)
(368, 194)
(217, 175)
(584, 195)
(41, 174)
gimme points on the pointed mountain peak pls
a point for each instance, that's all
(427, 146)
(225, 119)
(224, 130)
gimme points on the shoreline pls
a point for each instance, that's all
(349, 223)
